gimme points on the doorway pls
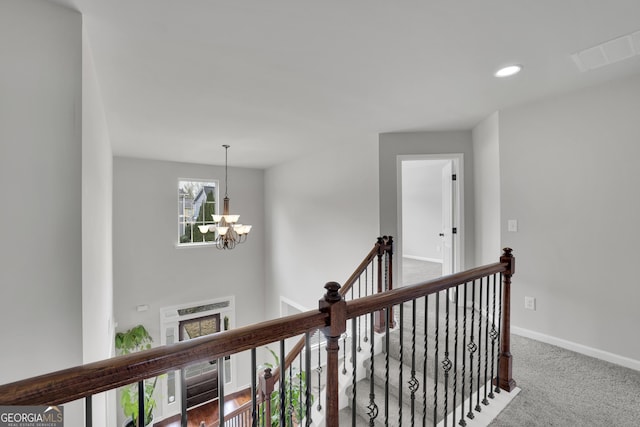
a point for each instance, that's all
(430, 213)
(200, 379)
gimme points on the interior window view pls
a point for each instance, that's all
(323, 213)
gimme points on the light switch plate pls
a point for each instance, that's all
(512, 225)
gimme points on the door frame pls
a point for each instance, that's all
(458, 207)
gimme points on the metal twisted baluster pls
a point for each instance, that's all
(344, 355)
(435, 363)
(300, 409)
(478, 408)
(359, 349)
(366, 293)
(462, 421)
(485, 401)
(472, 347)
(455, 360)
(493, 334)
(354, 365)
(401, 330)
(497, 387)
(414, 384)
(372, 407)
(254, 388)
(290, 408)
(425, 360)
(446, 362)
(319, 370)
(283, 387)
(307, 377)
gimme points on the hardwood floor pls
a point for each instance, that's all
(208, 412)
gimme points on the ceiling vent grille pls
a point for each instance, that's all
(608, 53)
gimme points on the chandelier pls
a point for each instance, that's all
(228, 231)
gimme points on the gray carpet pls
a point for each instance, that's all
(414, 271)
(563, 388)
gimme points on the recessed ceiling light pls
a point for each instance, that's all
(509, 70)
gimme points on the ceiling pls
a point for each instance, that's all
(277, 79)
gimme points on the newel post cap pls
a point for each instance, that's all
(507, 257)
(336, 306)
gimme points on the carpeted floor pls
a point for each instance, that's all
(563, 388)
(414, 271)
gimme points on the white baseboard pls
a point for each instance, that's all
(578, 348)
(421, 258)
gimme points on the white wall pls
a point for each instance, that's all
(97, 265)
(486, 183)
(569, 175)
(394, 144)
(40, 172)
(422, 209)
(322, 220)
(149, 268)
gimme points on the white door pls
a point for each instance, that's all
(447, 219)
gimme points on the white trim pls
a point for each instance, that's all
(421, 258)
(489, 412)
(578, 348)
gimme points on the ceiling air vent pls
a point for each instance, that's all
(608, 52)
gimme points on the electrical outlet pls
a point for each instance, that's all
(530, 303)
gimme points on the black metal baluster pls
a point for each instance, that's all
(478, 408)
(494, 335)
(344, 355)
(435, 362)
(497, 387)
(319, 370)
(221, 391)
(359, 317)
(290, 408)
(354, 365)
(254, 387)
(307, 377)
(366, 293)
(485, 401)
(401, 331)
(283, 387)
(455, 360)
(372, 407)
(141, 400)
(88, 411)
(425, 360)
(462, 421)
(386, 368)
(414, 384)
(446, 362)
(472, 347)
(300, 410)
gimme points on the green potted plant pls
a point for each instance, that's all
(131, 341)
(295, 397)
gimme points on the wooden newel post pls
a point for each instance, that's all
(506, 363)
(385, 281)
(266, 387)
(333, 304)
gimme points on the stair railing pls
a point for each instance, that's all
(331, 318)
(373, 275)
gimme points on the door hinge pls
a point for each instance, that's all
(454, 230)
(454, 177)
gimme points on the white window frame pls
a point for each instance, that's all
(182, 221)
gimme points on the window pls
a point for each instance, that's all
(196, 203)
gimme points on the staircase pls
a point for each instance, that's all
(404, 408)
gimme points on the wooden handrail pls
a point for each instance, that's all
(376, 302)
(383, 244)
(75, 383)
(331, 316)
